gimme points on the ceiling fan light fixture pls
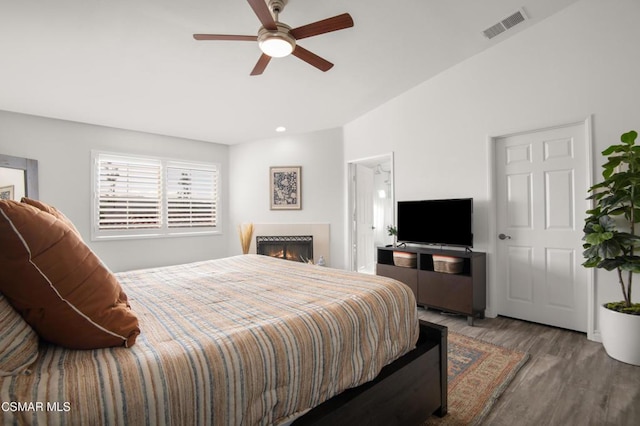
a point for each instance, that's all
(278, 43)
(277, 40)
(276, 47)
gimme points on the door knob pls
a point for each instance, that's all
(504, 237)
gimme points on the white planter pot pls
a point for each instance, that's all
(620, 335)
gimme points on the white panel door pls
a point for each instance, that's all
(364, 220)
(542, 182)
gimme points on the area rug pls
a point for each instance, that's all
(478, 374)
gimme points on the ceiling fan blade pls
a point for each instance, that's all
(224, 37)
(312, 58)
(263, 13)
(261, 65)
(328, 25)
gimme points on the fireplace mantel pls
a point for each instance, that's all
(319, 231)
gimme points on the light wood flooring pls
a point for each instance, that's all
(568, 379)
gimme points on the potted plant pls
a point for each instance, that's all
(611, 243)
(393, 232)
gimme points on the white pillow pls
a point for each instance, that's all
(18, 341)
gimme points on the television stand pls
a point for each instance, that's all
(463, 293)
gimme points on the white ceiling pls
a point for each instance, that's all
(133, 64)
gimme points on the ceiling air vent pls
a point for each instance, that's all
(507, 23)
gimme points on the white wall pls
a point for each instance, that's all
(582, 61)
(320, 155)
(63, 150)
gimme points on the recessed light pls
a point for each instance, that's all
(281, 129)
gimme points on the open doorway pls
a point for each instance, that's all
(371, 209)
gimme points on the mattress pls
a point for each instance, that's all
(245, 340)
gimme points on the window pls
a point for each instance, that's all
(145, 197)
(191, 196)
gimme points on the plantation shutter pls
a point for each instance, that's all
(192, 195)
(129, 193)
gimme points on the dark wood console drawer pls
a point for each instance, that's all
(463, 293)
(407, 276)
(446, 291)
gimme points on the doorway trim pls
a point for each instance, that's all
(351, 203)
(492, 300)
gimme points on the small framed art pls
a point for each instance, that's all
(6, 192)
(285, 185)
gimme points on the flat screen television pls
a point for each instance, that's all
(437, 222)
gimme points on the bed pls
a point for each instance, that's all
(246, 340)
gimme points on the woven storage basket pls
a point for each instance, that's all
(447, 264)
(404, 259)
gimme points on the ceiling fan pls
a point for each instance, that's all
(277, 40)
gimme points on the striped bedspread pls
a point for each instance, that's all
(238, 341)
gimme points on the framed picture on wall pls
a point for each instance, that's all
(6, 192)
(285, 185)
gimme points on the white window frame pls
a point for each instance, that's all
(162, 229)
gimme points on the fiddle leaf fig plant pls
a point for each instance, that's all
(610, 240)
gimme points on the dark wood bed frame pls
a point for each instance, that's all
(406, 392)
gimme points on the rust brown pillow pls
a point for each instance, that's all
(58, 285)
(51, 210)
